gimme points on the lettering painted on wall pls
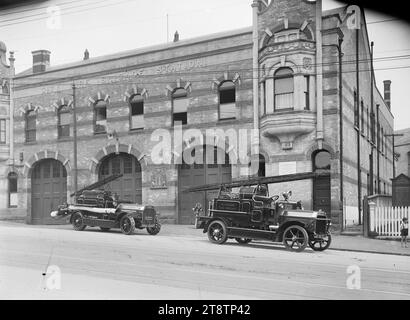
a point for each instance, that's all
(180, 66)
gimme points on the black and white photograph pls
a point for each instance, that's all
(204, 155)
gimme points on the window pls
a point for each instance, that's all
(100, 117)
(137, 112)
(2, 131)
(362, 116)
(284, 89)
(12, 178)
(289, 35)
(372, 127)
(180, 104)
(382, 140)
(64, 120)
(31, 120)
(356, 110)
(262, 166)
(322, 161)
(408, 164)
(368, 123)
(306, 91)
(227, 100)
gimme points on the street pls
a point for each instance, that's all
(171, 265)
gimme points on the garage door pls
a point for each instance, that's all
(129, 186)
(48, 190)
(196, 175)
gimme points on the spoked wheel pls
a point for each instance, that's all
(320, 244)
(78, 221)
(105, 229)
(155, 229)
(295, 238)
(217, 232)
(243, 240)
(127, 224)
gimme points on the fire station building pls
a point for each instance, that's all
(300, 76)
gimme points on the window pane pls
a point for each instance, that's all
(284, 72)
(65, 118)
(137, 108)
(46, 170)
(12, 182)
(101, 114)
(227, 96)
(227, 111)
(2, 137)
(180, 117)
(284, 101)
(180, 105)
(64, 131)
(322, 160)
(179, 93)
(104, 169)
(31, 122)
(137, 122)
(127, 165)
(56, 170)
(116, 166)
(284, 85)
(31, 135)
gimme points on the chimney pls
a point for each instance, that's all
(387, 95)
(86, 55)
(176, 36)
(41, 60)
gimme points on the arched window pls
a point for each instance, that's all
(284, 89)
(12, 179)
(227, 100)
(180, 104)
(288, 35)
(137, 112)
(31, 127)
(321, 161)
(64, 120)
(100, 116)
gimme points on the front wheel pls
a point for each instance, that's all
(78, 221)
(155, 229)
(243, 240)
(217, 232)
(127, 224)
(320, 244)
(295, 238)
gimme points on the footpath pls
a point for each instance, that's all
(339, 242)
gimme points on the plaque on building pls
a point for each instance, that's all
(159, 179)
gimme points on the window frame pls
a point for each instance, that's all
(10, 176)
(277, 77)
(173, 98)
(220, 104)
(3, 130)
(33, 115)
(95, 108)
(60, 111)
(130, 104)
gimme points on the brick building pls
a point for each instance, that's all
(281, 76)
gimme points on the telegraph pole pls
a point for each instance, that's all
(75, 176)
(394, 157)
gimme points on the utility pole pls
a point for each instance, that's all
(75, 176)
(394, 157)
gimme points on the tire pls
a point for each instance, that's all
(127, 224)
(243, 240)
(105, 229)
(295, 238)
(155, 229)
(77, 221)
(217, 232)
(320, 244)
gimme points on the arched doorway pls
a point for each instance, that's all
(129, 186)
(199, 174)
(321, 185)
(48, 190)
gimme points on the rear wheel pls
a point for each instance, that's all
(78, 221)
(243, 240)
(217, 232)
(127, 224)
(155, 229)
(320, 244)
(295, 238)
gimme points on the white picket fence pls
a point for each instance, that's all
(386, 220)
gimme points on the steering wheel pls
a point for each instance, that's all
(274, 198)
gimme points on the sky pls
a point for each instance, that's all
(111, 26)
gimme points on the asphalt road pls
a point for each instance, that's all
(98, 265)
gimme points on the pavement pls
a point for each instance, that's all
(340, 242)
(56, 262)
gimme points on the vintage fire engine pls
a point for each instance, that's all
(251, 214)
(96, 207)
